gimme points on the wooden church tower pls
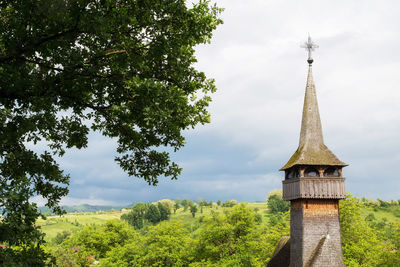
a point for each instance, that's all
(314, 184)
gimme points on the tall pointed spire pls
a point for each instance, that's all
(312, 150)
(311, 129)
(313, 184)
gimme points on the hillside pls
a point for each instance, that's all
(185, 233)
(82, 208)
(82, 215)
(73, 222)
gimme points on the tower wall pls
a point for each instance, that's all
(315, 233)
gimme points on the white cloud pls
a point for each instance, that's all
(68, 201)
(260, 73)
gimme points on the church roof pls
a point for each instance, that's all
(312, 150)
(281, 255)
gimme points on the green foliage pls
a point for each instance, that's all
(23, 255)
(242, 218)
(177, 204)
(142, 214)
(396, 236)
(276, 204)
(267, 237)
(277, 218)
(153, 214)
(124, 68)
(202, 202)
(168, 203)
(231, 239)
(228, 237)
(186, 203)
(370, 217)
(397, 213)
(164, 211)
(258, 218)
(125, 256)
(193, 210)
(361, 243)
(96, 241)
(134, 218)
(165, 244)
(137, 215)
(382, 203)
(60, 237)
(229, 203)
(64, 257)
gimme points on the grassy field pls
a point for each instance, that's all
(74, 221)
(381, 214)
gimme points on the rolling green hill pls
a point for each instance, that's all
(76, 220)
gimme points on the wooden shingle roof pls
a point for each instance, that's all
(312, 150)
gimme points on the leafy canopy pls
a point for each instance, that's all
(123, 68)
(225, 237)
(276, 204)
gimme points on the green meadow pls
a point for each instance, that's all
(73, 222)
(391, 215)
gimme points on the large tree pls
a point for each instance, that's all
(124, 68)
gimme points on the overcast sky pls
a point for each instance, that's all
(260, 71)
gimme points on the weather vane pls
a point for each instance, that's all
(309, 46)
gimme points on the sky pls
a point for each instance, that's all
(260, 72)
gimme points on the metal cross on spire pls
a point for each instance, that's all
(310, 46)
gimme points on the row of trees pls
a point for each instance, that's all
(379, 202)
(142, 214)
(186, 204)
